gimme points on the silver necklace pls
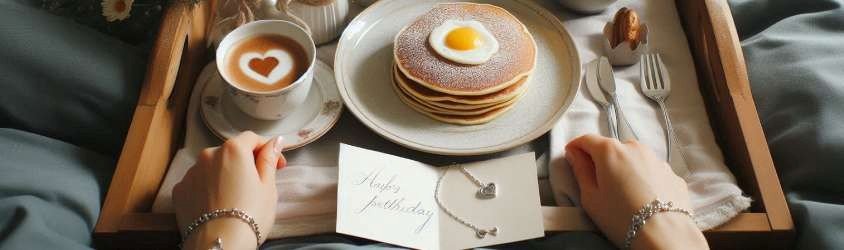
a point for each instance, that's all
(486, 191)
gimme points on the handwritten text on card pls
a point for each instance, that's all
(392, 200)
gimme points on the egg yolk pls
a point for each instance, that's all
(463, 38)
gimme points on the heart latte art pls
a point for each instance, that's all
(265, 62)
(268, 68)
(263, 66)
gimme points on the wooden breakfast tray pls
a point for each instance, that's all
(126, 220)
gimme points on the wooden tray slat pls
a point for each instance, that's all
(719, 59)
(157, 123)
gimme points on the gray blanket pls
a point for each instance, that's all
(66, 98)
(795, 56)
(64, 80)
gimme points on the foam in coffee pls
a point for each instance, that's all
(266, 62)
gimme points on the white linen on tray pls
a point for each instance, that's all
(715, 196)
(307, 186)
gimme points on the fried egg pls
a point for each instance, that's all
(463, 41)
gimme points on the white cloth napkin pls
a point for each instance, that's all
(715, 196)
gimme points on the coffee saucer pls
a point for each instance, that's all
(316, 116)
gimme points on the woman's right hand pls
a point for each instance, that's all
(617, 179)
(240, 174)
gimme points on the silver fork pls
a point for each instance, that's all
(657, 85)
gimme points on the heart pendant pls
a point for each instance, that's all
(487, 191)
(481, 233)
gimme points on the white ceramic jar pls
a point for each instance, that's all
(323, 19)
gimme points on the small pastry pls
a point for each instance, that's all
(626, 28)
(625, 38)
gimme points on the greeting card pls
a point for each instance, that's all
(407, 203)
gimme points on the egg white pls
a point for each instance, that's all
(478, 55)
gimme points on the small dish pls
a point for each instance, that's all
(314, 118)
(587, 6)
(623, 55)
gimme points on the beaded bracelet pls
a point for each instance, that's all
(648, 210)
(218, 213)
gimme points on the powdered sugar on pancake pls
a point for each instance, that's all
(283, 67)
(515, 58)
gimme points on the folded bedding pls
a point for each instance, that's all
(64, 80)
(67, 93)
(50, 191)
(795, 57)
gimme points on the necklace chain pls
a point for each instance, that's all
(468, 174)
(478, 231)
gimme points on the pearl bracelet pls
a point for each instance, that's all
(639, 218)
(218, 213)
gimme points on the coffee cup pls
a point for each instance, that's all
(269, 67)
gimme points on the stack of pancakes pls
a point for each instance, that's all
(460, 93)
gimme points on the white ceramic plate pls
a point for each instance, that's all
(313, 119)
(362, 68)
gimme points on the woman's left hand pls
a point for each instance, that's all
(239, 174)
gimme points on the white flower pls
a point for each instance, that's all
(114, 10)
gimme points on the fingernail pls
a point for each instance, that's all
(278, 145)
